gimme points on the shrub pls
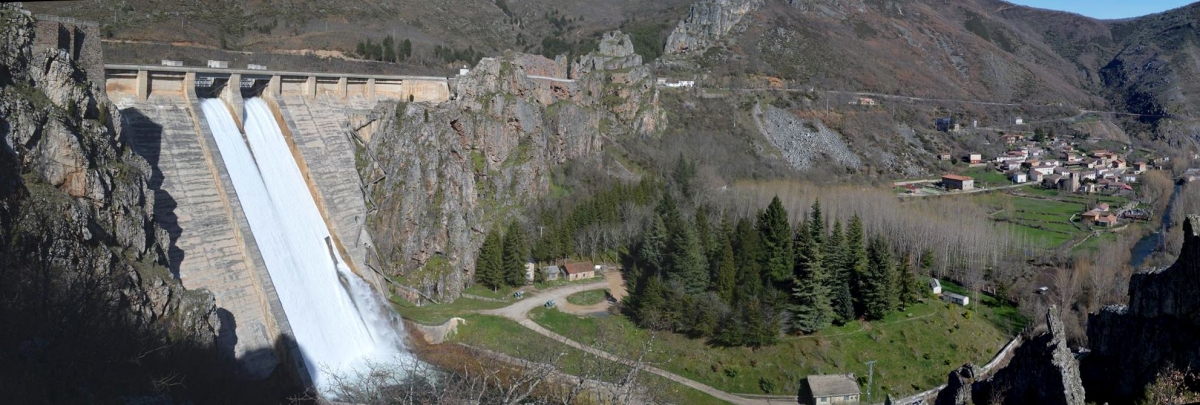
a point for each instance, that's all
(766, 385)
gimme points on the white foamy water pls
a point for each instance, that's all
(339, 322)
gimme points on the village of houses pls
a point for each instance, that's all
(1055, 164)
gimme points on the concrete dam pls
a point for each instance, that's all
(255, 184)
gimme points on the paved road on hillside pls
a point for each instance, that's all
(519, 311)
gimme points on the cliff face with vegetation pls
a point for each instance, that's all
(90, 311)
(440, 175)
(1159, 328)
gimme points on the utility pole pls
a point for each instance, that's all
(870, 378)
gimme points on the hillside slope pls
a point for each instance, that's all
(470, 28)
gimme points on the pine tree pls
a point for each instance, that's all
(725, 281)
(843, 304)
(776, 242)
(747, 256)
(405, 49)
(687, 264)
(811, 309)
(876, 281)
(653, 248)
(389, 49)
(855, 262)
(910, 287)
(489, 264)
(704, 234)
(838, 281)
(816, 223)
(761, 325)
(515, 256)
(683, 174)
(650, 304)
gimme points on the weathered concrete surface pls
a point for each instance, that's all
(208, 248)
(322, 133)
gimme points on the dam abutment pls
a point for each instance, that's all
(215, 246)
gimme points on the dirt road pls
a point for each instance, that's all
(519, 311)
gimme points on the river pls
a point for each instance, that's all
(1153, 242)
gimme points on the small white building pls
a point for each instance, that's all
(1020, 121)
(1018, 177)
(175, 63)
(956, 298)
(256, 67)
(464, 70)
(681, 83)
(936, 286)
(218, 64)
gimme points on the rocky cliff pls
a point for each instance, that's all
(706, 23)
(90, 311)
(1043, 370)
(1158, 329)
(440, 175)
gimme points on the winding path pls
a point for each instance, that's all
(519, 311)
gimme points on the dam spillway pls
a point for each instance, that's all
(339, 323)
(210, 243)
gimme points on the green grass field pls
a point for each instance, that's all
(1045, 215)
(586, 298)
(985, 176)
(914, 349)
(505, 336)
(437, 314)
(502, 293)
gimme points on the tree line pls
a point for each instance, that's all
(389, 50)
(719, 265)
(747, 283)
(502, 258)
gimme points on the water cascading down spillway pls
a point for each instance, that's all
(340, 324)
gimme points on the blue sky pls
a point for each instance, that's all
(1107, 9)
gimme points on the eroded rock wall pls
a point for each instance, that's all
(439, 175)
(85, 295)
(706, 23)
(1159, 328)
(1042, 371)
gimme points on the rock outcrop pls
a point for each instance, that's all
(706, 23)
(615, 53)
(1158, 329)
(86, 298)
(439, 175)
(1042, 371)
(958, 387)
